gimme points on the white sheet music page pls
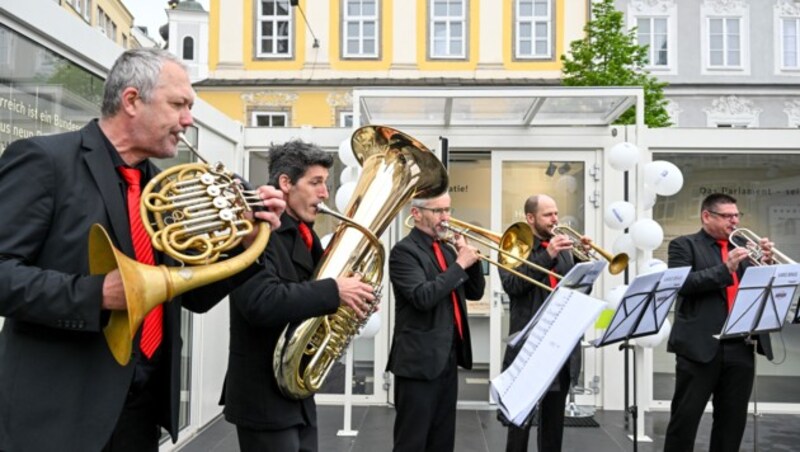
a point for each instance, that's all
(563, 320)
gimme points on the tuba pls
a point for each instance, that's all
(194, 213)
(396, 167)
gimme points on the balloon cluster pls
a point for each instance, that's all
(660, 178)
(349, 176)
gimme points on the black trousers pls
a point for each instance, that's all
(729, 378)
(550, 427)
(137, 429)
(426, 411)
(302, 438)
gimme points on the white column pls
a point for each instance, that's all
(405, 35)
(231, 26)
(490, 43)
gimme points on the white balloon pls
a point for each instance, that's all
(325, 240)
(619, 215)
(567, 183)
(624, 244)
(623, 156)
(371, 328)
(648, 199)
(654, 340)
(346, 153)
(647, 234)
(663, 177)
(652, 266)
(614, 296)
(343, 195)
(349, 174)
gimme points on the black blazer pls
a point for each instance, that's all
(280, 293)
(424, 329)
(60, 387)
(527, 299)
(702, 306)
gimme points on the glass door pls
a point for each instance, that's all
(569, 177)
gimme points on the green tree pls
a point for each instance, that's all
(609, 55)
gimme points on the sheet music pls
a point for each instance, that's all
(580, 278)
(645, 305)
(765, 295)
(562, 322)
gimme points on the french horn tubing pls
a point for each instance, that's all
(194, 213)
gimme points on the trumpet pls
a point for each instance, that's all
(754, 251)
(616, 263)
(512, 247)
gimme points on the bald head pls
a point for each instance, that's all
(541, 213)
(532, 203)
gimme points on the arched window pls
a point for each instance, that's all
(188, 48)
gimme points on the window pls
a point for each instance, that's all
(652, 32)
(725, 37)
(732, 112)
(83, 8)
(360, 29)
(269, 119)
(786, 19)
(188, 48)
(346, 119)
(106, 25)
(448, 24)
(274, 29)
(533, 29)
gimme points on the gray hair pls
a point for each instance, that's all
(293, 158)
(135, 68)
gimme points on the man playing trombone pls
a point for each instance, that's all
(706, 366)
(553, 252)
(431, 334)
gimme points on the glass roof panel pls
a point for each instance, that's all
(406, 110)
(484, 110)
(577, 110)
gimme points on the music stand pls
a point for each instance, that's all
(642, 312)
(765, 295)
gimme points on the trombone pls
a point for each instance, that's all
(616, 264)
(512, 247)
(754, 251)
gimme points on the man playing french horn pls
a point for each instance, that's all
(282, 293)
(60, 387)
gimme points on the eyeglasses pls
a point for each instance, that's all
(727, 216)
(438, 210)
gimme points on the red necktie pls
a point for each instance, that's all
(305, 234)
(456, 310)
(152, 330)
(553, 279)
(730, 290)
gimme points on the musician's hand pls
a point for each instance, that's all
(467, 256)
(273, 201)
(558, 243)
(114, 292)
(766, 250)
(736, 256)
(355, 294)
(586, 244)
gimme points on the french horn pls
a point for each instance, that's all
(194, 213)
(395, 168)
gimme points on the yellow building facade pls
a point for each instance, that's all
(109, 17)
(274, 64)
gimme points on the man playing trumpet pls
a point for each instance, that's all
(551, 252)
(704, 365)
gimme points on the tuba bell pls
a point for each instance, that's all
(194, 213)
(396, 167)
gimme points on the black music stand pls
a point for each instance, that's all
(642, 312)
(762, 302)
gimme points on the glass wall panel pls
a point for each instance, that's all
(767, 188)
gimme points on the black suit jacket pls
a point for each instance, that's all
(60, 387)
(280, 293)
(702, 308)
(527, 299)
(424, 329)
